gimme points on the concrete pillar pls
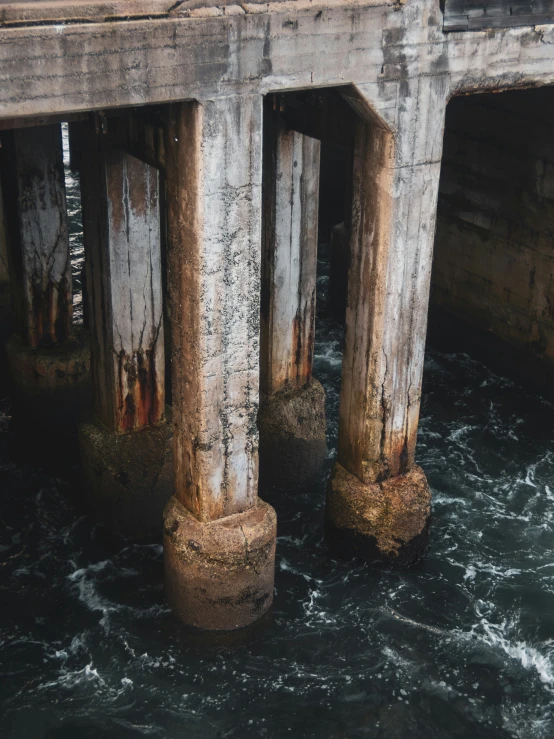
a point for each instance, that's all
(219, 543)
(126, 449)
(49, 361)
(292, 414)
(378, 500)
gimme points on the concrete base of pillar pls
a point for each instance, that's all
(293, 443)
(385, 522)
(128, 477)
(219, 575)
(51, 386)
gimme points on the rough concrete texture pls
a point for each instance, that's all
(121, 223)
(128, 478)
(289, 258)
(493, 249)
(51, 386)
(293, 442)
(44, 371)
(219, 575)
(37, 233)
(213, 176)
(384, 522)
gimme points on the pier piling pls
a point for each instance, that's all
(48, 358)
(219, 542)
(378, 500)
(292, 413)
(126, 448)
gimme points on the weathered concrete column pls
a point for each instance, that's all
(219, 544)
(292, 413)
(126, 449)
(49, 361)
(378, 501)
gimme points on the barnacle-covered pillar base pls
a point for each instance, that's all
(219, 537)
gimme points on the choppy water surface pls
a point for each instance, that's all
(462, 646)
(73, 195)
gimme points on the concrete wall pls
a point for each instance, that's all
(494, 249)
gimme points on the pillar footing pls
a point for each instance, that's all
(386, 522)
(219, 574)
(128, 477)
(293, 441)
(51, 385)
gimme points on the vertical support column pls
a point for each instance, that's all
(378, 501)
(219, 543)
(49, 362)
(292, 414)
(45, 302)
(126, 450)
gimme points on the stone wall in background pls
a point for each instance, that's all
(494, 256)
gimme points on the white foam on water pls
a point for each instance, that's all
(287, 567)
(72, 678)
(531, 658)
(88, 594)
(416, 624)
(461, 431)
(491, 569)
(316, 616)
(329, 354)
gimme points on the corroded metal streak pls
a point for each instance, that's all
(122, 239)
(291, 195)
(213, 171)
(34, 186)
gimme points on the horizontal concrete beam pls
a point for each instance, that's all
(69, 68)
(27, 12)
